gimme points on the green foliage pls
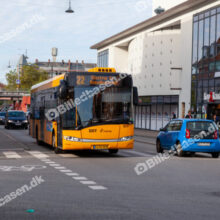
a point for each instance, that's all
(29, 76)
(11, 80)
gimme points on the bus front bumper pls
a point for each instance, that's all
(97, 144)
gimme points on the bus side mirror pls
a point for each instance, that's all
(62, 89)
(135, 96)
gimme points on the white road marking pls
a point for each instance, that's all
(66, 171)
(45, 160)
(88, 182)
(72, 174)
(83, 180)
(11, 155)
(97, 187)
(68, 155)
(38, 154)
(80, 178)
(55, 165)
(136, 153)
(60, 168)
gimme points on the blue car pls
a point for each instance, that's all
(189, 135)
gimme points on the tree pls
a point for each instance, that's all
(32, 75)
(29, 76)
(11, 80)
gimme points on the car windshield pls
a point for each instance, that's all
(110, 106)
(16, 114)
(2, 113)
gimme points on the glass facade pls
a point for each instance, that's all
(103, 58)
(205, 59)
(154, 112)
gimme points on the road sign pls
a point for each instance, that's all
(18, 82)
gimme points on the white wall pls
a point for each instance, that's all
(166, 4)
(121, 59)
(186, 59)
(151, 57)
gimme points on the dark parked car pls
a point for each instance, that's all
(15, 119)
(2, 118)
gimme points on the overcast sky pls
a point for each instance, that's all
(39, 25)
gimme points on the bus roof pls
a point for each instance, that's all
(53, 82)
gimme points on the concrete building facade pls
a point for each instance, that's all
(158, 53)
(56, 68)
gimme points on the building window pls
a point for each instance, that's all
(205, 58)
(103, 58)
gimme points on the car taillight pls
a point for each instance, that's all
(187, 133)
(216, 135)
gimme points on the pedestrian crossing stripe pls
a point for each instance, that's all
(44, 156)
(11, 155)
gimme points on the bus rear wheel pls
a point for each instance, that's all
(113, 151)
(37, 138)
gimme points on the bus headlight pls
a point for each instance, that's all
(126, 138)
(74, 139)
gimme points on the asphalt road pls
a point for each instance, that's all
(96, 185)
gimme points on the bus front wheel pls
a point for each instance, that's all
(113, 151)
(56, 149)
(53, 141)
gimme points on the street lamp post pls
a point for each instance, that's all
(69, 10)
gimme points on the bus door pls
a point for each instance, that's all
(42, 118)
(59, 127)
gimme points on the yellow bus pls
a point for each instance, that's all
(84, 111)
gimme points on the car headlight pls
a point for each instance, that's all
(126, 138)
(25, 121)
(74, 139)
(10, 121)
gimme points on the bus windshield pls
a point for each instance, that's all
(113, 105)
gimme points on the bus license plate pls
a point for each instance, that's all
(99, 147)
(204, 144)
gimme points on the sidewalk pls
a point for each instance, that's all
(145, 133)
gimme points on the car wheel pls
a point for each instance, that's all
(159, 148)
(179, 150)
(215, 155)
(113, 151)
(192, 154)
